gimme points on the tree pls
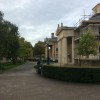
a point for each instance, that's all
(1, 34)
(87, 44)
(25, 49)
(39, 49)
(29, 50)
(22, 48)
(8, 39)
(1, 16)
(11, 44)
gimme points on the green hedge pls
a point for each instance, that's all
(72, 74)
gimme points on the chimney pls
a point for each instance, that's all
(58, 25)
(52, 35)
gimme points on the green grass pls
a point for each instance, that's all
(7, 66)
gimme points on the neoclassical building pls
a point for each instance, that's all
(93, 25)
(52, 47)
(68, 38)
(65, 44)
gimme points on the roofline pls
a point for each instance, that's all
(95, 6)
(84, 23)
(64, 28)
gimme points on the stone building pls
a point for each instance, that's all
(51, 47)
(68, 38)
(65, 44)
(93, 25)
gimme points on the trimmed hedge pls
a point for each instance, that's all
(72, 74)
(87, 62)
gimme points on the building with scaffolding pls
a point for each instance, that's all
(93, 25)
(68, 38)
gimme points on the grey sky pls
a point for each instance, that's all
(37, 19)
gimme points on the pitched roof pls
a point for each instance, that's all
(54, 39)
(95, 17)
(59, 29)
(96, 6)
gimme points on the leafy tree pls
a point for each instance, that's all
(8, 39)
(25, 49)
(87, 44)
(29, 49)
(11, 44)
(39, 49)
(22, 50)
(1, 16)
(1, 34)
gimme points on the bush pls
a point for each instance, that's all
(38, 68)
(72, 74)
(1, 67)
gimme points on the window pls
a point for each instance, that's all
(99, 29)
(56, 49)
(56, 55)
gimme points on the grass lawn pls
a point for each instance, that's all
(7, 66)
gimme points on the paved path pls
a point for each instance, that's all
(22, 83)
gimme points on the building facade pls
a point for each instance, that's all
(65, 44)
(92, 25)
(51, 48)
(68, 38)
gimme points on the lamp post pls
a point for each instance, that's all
(48, 47)
(48, 54)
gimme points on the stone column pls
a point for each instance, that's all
(64, 50)
(53, 56)
(72, 50)
(59, 51)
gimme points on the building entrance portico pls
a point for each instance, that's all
(65, 45)
(69, 49)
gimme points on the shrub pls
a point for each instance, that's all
(72, 74)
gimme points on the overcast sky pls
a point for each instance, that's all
(37, 19)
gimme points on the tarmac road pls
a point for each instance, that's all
(23, 83)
